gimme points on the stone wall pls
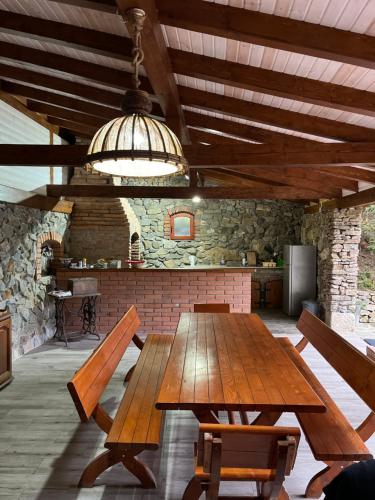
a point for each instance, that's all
(366, 301)
(336, 235)
(226, 228)
(25, 296)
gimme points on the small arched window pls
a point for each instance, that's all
(182, 226)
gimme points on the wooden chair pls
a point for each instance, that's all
(211, 308)
(261, 454)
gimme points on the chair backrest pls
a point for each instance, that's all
(211, 308)
(244, 446)
(90, 381)
(354, 367)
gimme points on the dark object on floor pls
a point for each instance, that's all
(355, 482)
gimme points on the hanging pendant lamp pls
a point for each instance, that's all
(136, 145)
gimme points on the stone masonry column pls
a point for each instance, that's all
(336, 235)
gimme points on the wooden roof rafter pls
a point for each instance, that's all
(269, 30)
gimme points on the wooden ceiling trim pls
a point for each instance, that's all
(242, 130)
(273, 83)
(217, 156)
(321, 127)
(95, 72)
(221, 193)
(98, 42)
(232, 180)
(158, 66)
(106, 97)
(269, 30)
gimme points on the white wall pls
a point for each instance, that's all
(18, 183)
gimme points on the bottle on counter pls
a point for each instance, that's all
(222, 261)
(84, 262)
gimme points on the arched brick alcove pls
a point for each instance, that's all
(55, 241)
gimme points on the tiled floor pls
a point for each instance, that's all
(43, 447)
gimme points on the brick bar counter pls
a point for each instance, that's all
(160, 294)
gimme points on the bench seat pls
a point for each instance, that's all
(330, 436)
(138, 424)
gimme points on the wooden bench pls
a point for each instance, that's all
(330, 436)
(140, 422)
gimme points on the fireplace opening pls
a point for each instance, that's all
(134, 247)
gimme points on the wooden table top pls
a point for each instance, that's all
(232, 362)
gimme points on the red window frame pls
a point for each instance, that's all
(186, 215)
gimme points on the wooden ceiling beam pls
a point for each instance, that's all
(20, 106)
(95, 72)
(273, 155)
(66, 102)
(65, 114)
(310, 180)
(363, 198)
(269, 30)
(95, 94)
(75, 128)
(99, 191)
(158, 66)
(101, 5)
(48, 203)
(242, 130)
(227, 179)
(321, 127)
(90, 40)
(349, 172)
(273, 83)
(217, 156)
(203, 136)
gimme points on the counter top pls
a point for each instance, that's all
(238, 269)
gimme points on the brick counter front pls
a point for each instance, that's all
(160, 295)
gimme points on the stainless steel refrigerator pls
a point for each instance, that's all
(299, 277)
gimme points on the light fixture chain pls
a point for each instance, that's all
(138, 56)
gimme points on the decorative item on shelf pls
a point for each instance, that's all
(251, 258)
(136, 145)
(222, 261)
(101, 264)
(134, 263)
(66, 261)
(115, 264)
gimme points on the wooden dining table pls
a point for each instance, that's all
(232, 362)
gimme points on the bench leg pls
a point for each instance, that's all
(206, 416)
(100, 463)
(316, 484)
(129, 374)
(193, 490)
(139, 470)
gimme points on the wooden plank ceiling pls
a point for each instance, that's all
(225, 74)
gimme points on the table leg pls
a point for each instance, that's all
(60, 320)
(206, 416)
(88, 310)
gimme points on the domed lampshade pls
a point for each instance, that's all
(136, 145)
